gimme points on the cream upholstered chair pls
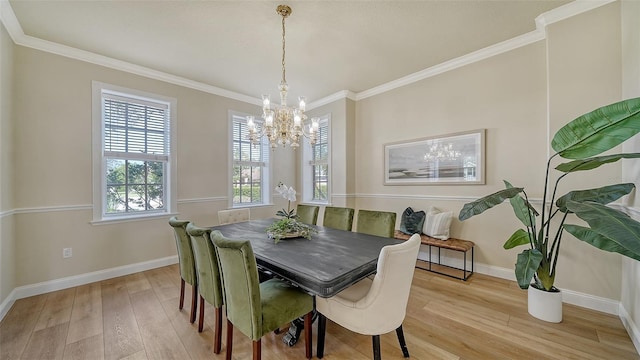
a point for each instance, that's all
(378, 306)
(233, 216)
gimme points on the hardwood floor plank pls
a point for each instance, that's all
(86, 314)
(159, 337)
(47, 343)
(86, 348)
(15, 331)
(121, 332)
(57, 309)
(136, 317)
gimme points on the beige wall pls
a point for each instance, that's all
(52, 99)
(342, 150)
(630, 297)
(7, 240)
(507, 95)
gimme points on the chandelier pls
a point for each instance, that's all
(439, 151)
(283, 125)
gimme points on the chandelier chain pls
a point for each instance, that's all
(284, 78)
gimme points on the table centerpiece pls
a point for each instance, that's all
(288, 225)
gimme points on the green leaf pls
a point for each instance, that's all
(601, 242)
(594, 162)
(603, 195)
(610, 223)
(522, 208)
(520, 237)
(599, 130)
(526, 266)
(481, 205)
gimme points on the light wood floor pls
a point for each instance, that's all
(137, 317)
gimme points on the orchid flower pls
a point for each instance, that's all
(288, 193)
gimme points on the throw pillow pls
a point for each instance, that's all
(412, 221)
(437, 225)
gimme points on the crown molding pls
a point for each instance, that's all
(18, 36)
(344, 94)
(561, 13)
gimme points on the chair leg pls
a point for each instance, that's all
(257, 349)
(376, 347)
(229, 339)
(322, 328)
(201, 317)
(308, 338)
(181, 294)
(194, 302)
(403, 344)
(217, 332)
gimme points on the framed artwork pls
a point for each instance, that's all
(446, 159)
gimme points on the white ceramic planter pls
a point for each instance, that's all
(545, 305)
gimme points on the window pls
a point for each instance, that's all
(250, 166)
(315, 171)
(132, 153)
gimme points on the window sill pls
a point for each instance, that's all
(123, 219)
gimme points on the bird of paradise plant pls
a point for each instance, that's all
(608, 229)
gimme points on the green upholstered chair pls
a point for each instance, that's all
(338, 218)
(257, 308)
(379, 223)
(209, 281)
(307, 214)
(186, 262)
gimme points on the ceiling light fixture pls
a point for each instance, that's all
(283, 125)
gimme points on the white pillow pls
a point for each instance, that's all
(436, 224)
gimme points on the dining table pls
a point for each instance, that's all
(324, 265)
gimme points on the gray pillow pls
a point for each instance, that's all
(412, 221)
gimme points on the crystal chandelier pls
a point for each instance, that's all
(283, 125)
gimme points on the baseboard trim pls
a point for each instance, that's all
(588, 301)
(632, 328)
(82, 279)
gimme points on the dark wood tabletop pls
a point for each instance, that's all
(331, 261)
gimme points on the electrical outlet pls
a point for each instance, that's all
(67, 253)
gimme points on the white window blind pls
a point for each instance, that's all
(250, 166)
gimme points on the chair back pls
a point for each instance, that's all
(185, 252)
(241, 285)
(307, 214)
(379, 223)
(209, 284)
(233, 216)
(389, 291)
(338, 218)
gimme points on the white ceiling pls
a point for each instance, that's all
(236, 45)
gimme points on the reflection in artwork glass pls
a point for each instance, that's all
(449, 159)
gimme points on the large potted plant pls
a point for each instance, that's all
(607, 228)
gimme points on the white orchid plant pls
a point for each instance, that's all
(288, 226)
(289, 193)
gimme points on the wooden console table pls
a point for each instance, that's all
(459, 245)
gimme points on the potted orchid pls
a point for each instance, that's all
(288, 225)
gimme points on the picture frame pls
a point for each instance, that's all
(451, 159)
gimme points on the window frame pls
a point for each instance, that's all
(266, 165)
(308, 163)
(99, 156)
